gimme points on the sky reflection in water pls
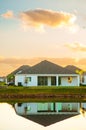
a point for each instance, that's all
(9, 120)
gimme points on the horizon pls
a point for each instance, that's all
(36, 30)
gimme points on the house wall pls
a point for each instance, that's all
(34, 79)
(21, 78)
(64, 81)
(61, 108)
(26, 108)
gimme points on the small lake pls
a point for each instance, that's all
(42, 116)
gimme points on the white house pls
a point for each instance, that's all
(47, 73)
(47, 108)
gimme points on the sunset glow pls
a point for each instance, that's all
(31, 31)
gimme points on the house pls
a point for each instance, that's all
(47, 73)
(47, 113)
(45, 108)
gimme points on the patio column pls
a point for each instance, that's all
(78, 79)
(57, 80)
(49, 81)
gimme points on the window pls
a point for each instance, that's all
(64, 107)
(53, 80)
(46, 107)
(42, 80)
(67, 107)
(27, 79)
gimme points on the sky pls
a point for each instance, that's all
(9, 120)
(33, 30)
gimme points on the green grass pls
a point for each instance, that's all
(20, 94)
(2, 84)
(43, 90)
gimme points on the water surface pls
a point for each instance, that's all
(9, 120)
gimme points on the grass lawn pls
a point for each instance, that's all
(42, 93)
(43, 90)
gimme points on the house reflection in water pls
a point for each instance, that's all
(47, 113)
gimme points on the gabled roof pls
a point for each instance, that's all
(72, 68)
(53, 118)
(20, 69)
(46, 67)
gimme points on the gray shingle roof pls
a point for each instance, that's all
(20, 69)
(72, 68)
(46, 67)
(49, 119)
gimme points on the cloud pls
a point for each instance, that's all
(39, 18)
(8, 15)
(76, 47)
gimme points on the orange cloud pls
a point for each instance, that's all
(38, 18)
(9, 14)
(76, 47)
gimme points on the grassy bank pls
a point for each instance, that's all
(43, 90)
(32, 94)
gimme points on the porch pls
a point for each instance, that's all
(47, 81)
(58, 80)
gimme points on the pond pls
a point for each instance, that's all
(43, 116)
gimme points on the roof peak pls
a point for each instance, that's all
(46, 67)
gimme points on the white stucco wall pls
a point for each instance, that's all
(21, 78)
(32, 108)
(26, 108)
(19, 109)
(64, 81)
(34, 79)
